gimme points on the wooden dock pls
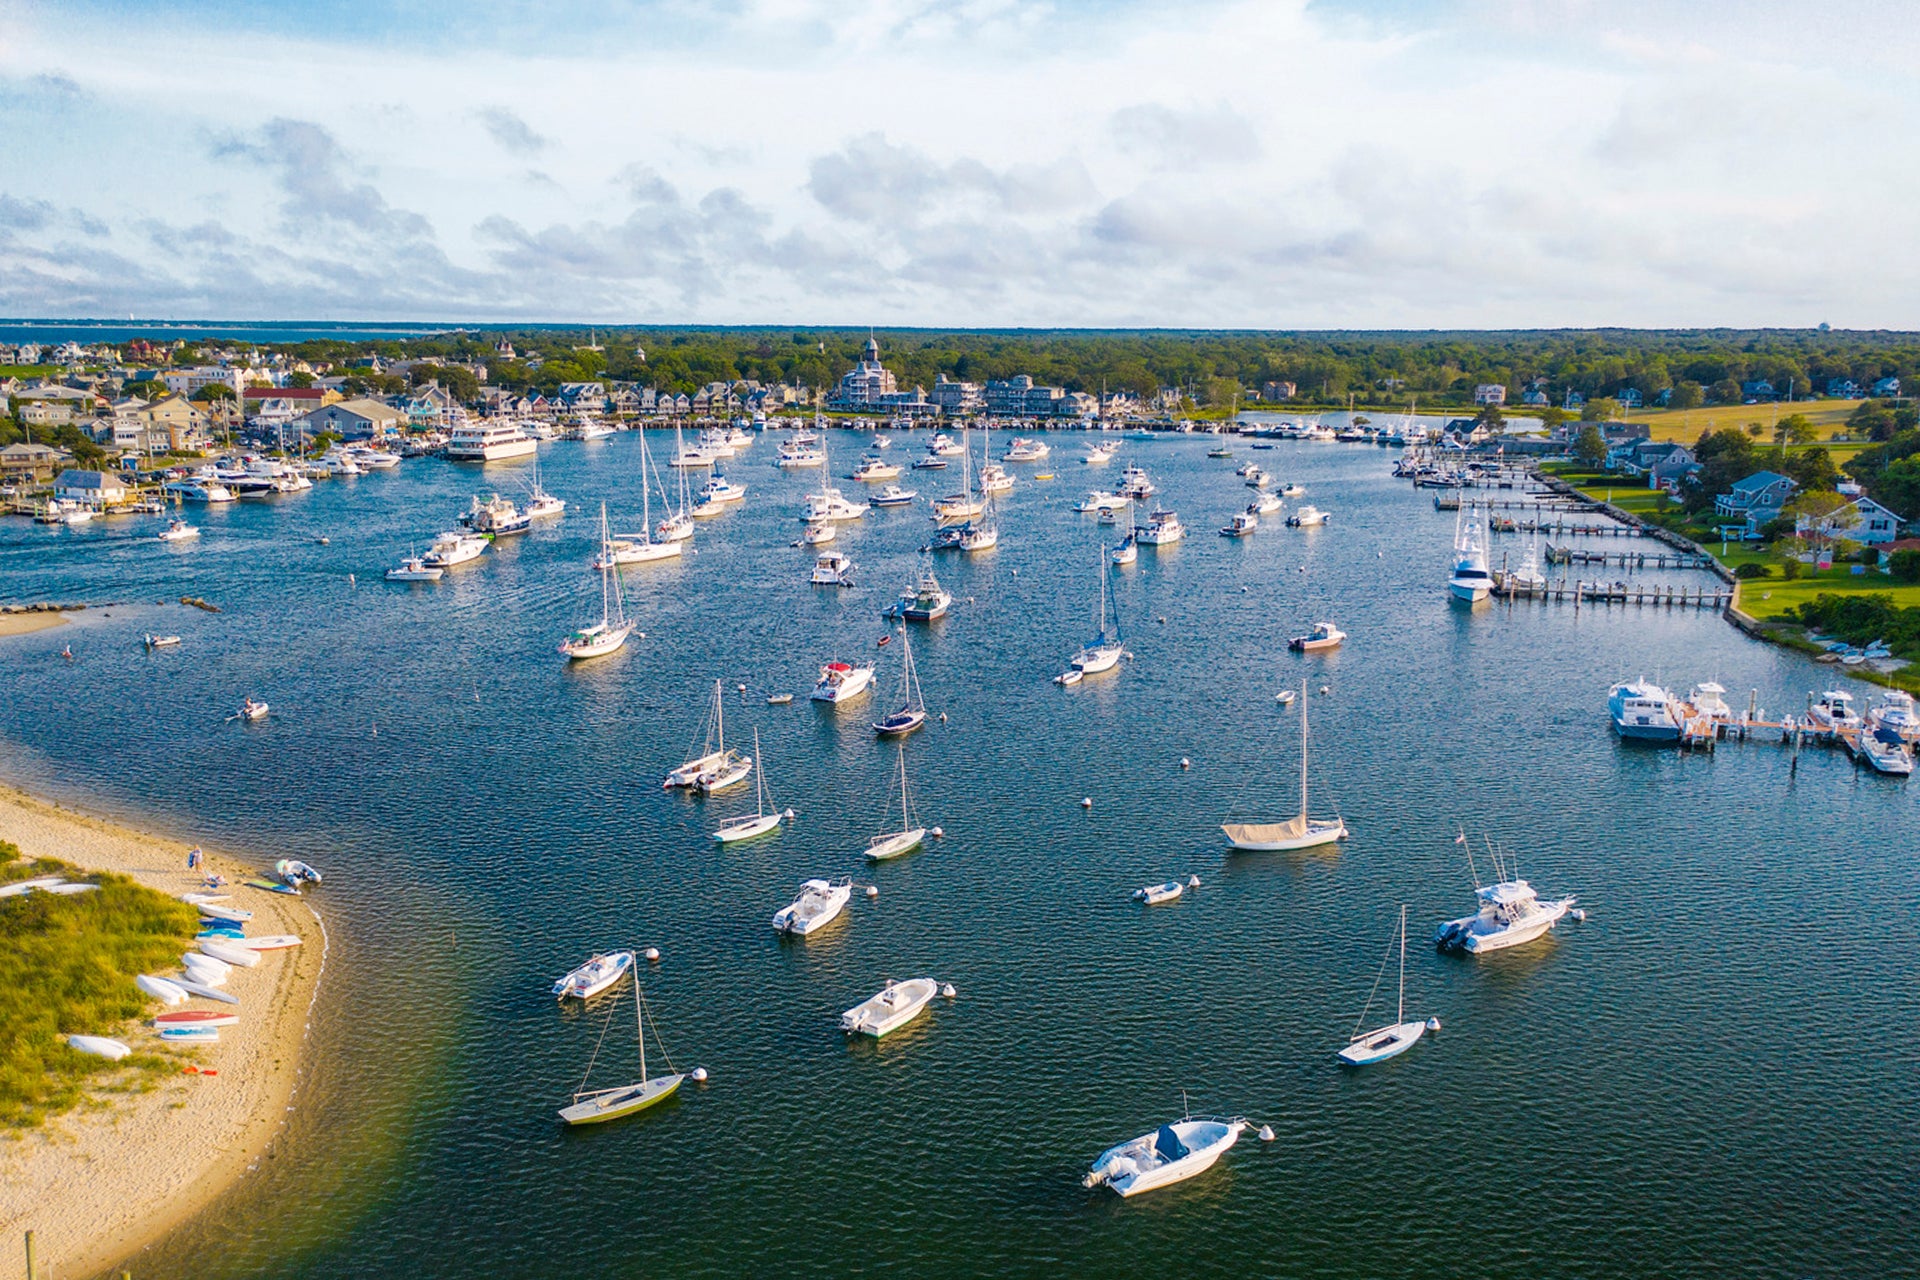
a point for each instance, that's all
(1657, 595)
(1451, 502)
(1628, 559)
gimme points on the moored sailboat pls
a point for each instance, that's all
(596, 1106)
(611, 632)
(1363, 1048)
(891, 844)
(1300, 832)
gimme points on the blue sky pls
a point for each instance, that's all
(1273, 163)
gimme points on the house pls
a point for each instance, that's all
(1756, 499)
(1664, 464)
(353, 419)
(1757, 389)
(1574, 402)
(956, 398)
(1871, 523)
(1490, 393)
(1887, 550)
(1274, 392)
(583, 397)
(1629, 397)
(178, 424)
(863, 386)
(1887, 387)
(30, 462)
(1535, 399)
(46, 413)
(1844, 389)
(98, 489)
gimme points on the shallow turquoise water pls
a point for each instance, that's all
(1712, 1074)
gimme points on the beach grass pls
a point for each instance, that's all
(67, 965)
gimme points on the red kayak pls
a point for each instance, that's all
(196, 1018)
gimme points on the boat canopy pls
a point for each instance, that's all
(1263, 832)
(1507, 893)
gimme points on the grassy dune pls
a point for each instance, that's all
(67, 966)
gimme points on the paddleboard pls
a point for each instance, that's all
(162, 988)
(192, 1035)
(196, 1018)
(229, 933)
(270, 886)
(230, 953)
(100, 1046)
(19, 887)
(204, 991)
(198, 898)
(235, 914)
(269, 942)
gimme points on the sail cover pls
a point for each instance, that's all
(1263, 832)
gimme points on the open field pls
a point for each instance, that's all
(1685, 425)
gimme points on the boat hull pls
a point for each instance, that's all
(747, 829)
(1378, 1046)
(612, 1104)
(1240, 836)
(892, 1009)
(894, 845)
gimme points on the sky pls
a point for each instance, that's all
(1273, 164)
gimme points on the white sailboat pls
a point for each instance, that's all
(763, 818)
(608, 634)
(891, 844)
(595, 1106)
(715, 752)
(913, 706)
(1302, 832)
(678, 526)
(1364, 1048)
(1104, 651)
(639, 548)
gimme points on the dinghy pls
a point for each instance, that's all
(204, 991)
(1172, 1153)
(163, 989)
(600, 1105)
(268, 942)
(818, 903)
(1368, 1047)
(295, 872)
(232, 953)
(99, 1046)
(196, 1018)
(190, 1035)
(595, 976)
(893, 1008)
(1153, 893)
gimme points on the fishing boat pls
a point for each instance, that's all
(1264, 504)
(814, 907)
(913, 708)
(611, 632)
(842, 682)
(595, 976)
(923, 600)
(1299, 832)
(455, 548)
(1257, 478)
(891, 844)
(1364, 1048)
(1307, 518)
(414, 569)
(596, 1106)
(1470, 581)
(714, 751)
(873, 469)
(1292, 490)
(830, 504)
(497, 517)
(1174, 1152)
(1642, 709)
(1241, 524)
(893, 496)
(1166, 891)
(1103, 651)
(832, 569)
(1833, 710)
(818, 534)
(765, 816)
(1323, 636)
(1510, 914)
(177, 531)
(894, 1007)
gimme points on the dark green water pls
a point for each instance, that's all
(1713, 1074)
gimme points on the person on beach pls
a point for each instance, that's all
(193, 858)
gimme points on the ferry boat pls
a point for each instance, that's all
(1642, 709)
(489, 442)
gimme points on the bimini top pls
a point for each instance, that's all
(839, 666)
(1507, 893)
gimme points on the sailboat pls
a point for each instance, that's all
(1104, 651)
(913, 708)
(1367, 1047)
(963, 505)
(608, 634)
(761, 820)
(716, 752)
(640, 547)
(596, 1106)
(891, 844)
(1301, 832)
(678, 526)
(542, 505)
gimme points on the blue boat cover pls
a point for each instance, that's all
(1167, 1144)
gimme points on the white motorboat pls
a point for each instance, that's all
(943, 446)
(1642, 709)
(891, 844)
(1307, 518)
(1299, 832)
(611, 632)
(732, 770)
(454, 548)
(199, 489)
(720, 489)
(160, 642)
(1364, 1048)
(896, 1006)
(923, 600)
(1172, 1153)
(765, 816)
(893, 496)
(832, 569)
(714, 748)
(814, 908)
(1241, 524)
(995, 478)
(1257, 478)
(177, 531)
(415, 569)
(1886, 751)
(1709, 699)
(1323, 636)
(1162, 527)
(596, 1106)
(1134, 484)
(1832, 711)
(1099, 500)
(1527, 578)
(842, 682)
(1292, 490)
(1265, 504)
(1510, 914)
(542, 505)
(1166, 891)
(1895, 712)
(497, 517)
(1022, 449)
(829, 505)
(874, 470)
(595, 976)
(793, 454)
(1470, 580)
(1103, 452)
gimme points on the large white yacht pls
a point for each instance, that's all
(1470, 580)
(1642, 709)
(831, 504)
(1162, 527)
(489, 441)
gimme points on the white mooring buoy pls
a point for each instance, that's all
(948, 992)
(1086, 802)
(937, 833)
(698, 1075)
(653, 955)
(1433, 1024)
(1185, 763)
(1266, 1133)
(873, 891)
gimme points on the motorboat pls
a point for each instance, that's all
(1528, 578)
(958, 506)
(1886, 751)
(874, 470)
(1258, 478)
(1364, 1048)
(497, 517)
(832, 569)
(1470, 580)
(1099, 500)
(913, 705)
(1644, 710)
(596, 1106)
(1022, 449)
(693, 457)
(250, 711)
(1134, 485)
(731, 770)
(595, 976)
(930, 463)
(891, 844)
(817, 535)
(1709, 699)
(714, 751)
(893, 496)
(794, 454)
(830, 504)
(1264, 504)
(415, 569)
(1895, 712)
(542, 505)
(1101, 453)
(923, 600)
(1167, 891)
(995, 478)
(177, 531)
(611, 632)
(1241, 524)
(816, 906)
(842, 682)
(1219, 451)
(1174, 1152)
(765, 816)
(1291, 490)
(200, 489)
(1833, 711)
(1302, 831)
(1323, 636)
(1510, 914)
(453, 548)
(160, 642)
(715, 443)
(894, 1007)
(943, 445)
(488, 441)
(295, 872)
(720, 489)
(1306, 518)
(1162, 527)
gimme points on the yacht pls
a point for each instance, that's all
(693, 457)
(1323, 636)
(497, 517)
(1510, 914)
(893, 496)
(995, 478)
(720, 489)
(1242, 524)
(716, 443)
(1306, 518)
(415, 569)
(177, 531)
(842, 682)
(1174, 1152)
(200, 489)
(591, 428)
(1098, 500)
(930, 463)
(795, 454)
(1021, 449)
(832, 569)
(1364, 1048)
(1833, 710)
(1134, 484)
(489, 442)
(542, 505)
(979, 535)
(1895, 712)
(1101, 453)
(913, 706)
(1162, 527)
(1642, 709)
(923, 600)
(958, 506)
(816, 906)
(831, 504)
(765, 816)
(372, 459)
(453, 547)
(874, 469)
(942, 446)
(1265, 504)
(675, 528)
(1470, 580)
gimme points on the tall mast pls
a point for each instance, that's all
(606, 568)
(720, 714)
(640, 1027)
(1303, 751)
(760, 778)
(1402, 1015)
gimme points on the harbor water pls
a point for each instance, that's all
(1713, 1073)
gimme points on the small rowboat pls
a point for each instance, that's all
(161, 988)
(1153, 893)
(213, 911)
(779, 699)
(233, 953)
(268, 942)
(196, 1018)
(100, 1046)
(204, 991)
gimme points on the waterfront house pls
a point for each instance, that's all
(864, 386)
(30, 462)
(957, 399)
(1756, 499)
(353, 419)
(1535, 399)
(96, 489)
(1274, 392)
(1869, 522)
(1490, 393)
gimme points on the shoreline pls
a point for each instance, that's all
(101, 1183)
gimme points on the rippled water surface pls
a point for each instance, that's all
(1713, 1074)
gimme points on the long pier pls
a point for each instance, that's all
(1627, 559)
(1577, 591)
(1451, 502)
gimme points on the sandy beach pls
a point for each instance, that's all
(104, 1181)
(20, 624)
